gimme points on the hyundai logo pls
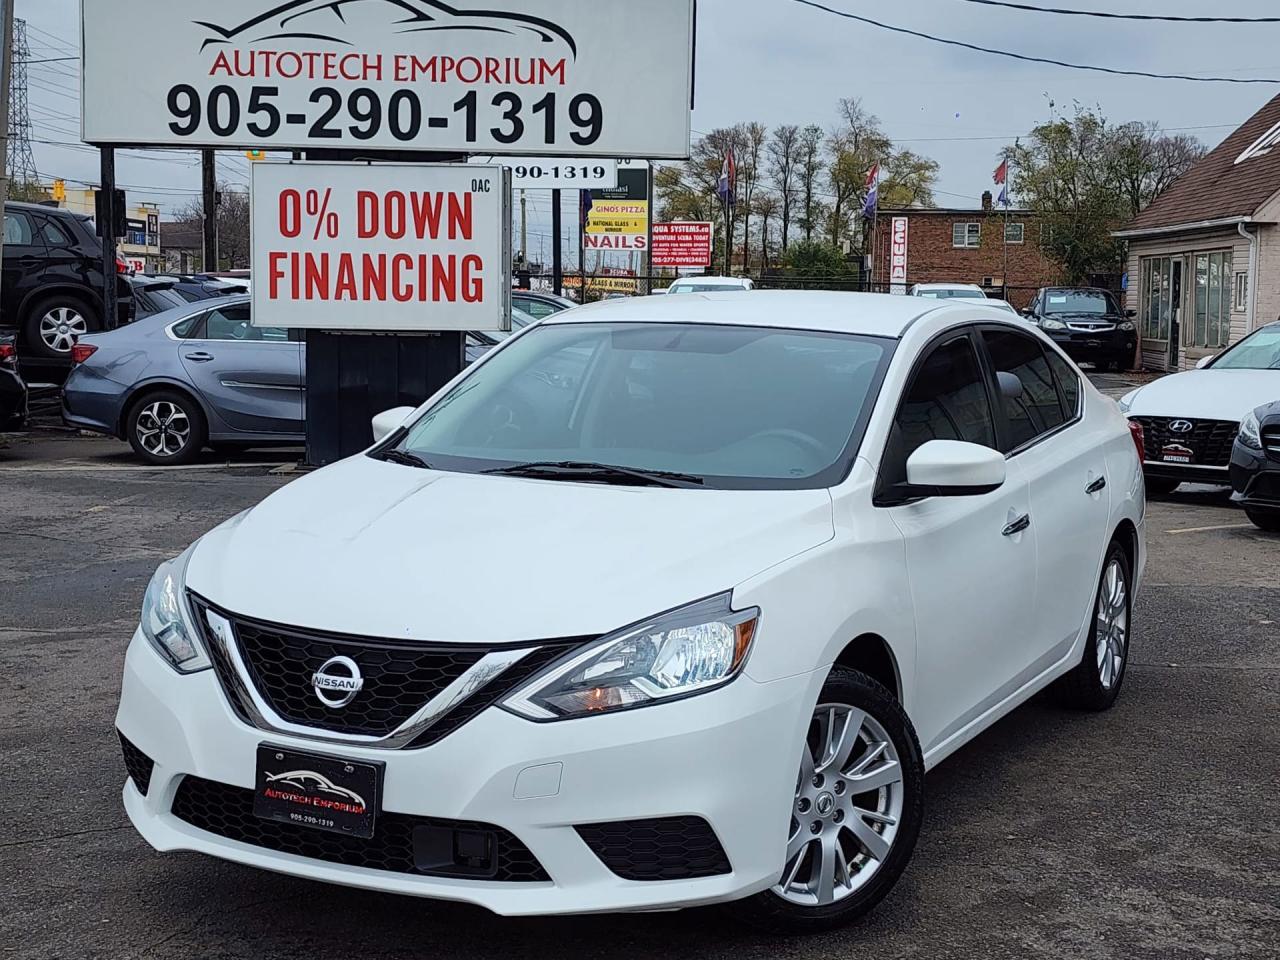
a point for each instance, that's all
(337, 682)
(1181, 426)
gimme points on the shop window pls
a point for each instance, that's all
(1211, 324)
(966, 235)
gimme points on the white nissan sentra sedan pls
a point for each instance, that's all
(779, 555)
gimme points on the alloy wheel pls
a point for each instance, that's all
(1112, 624)
(61, 326)
(848, 806)
(164, 429)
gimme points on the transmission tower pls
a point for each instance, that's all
(22, 162)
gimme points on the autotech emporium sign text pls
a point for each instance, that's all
(559, 77)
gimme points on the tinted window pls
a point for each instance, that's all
(1068, 382)
(739, 406)
(18, 229)
(1038, 410)
(156, 300)
(535, 308)
(1095, 302)
(54, 235)
(947, 400)
(232, 323)
(1259, 351)
(192, 327)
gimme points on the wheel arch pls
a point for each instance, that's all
(871, 654)
(1126, 534)
(45, 291)
(140, 391)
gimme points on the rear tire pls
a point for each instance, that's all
(54, 323)
(1264, 520)
(1095, 684)
(166, 428)
(1162, 487)
(864, 837)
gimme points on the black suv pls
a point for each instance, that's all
(52, 289)
(1255, 467)
(13, 392)
(1088, 324)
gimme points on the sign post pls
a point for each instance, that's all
(683, 246)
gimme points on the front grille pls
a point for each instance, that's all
(400, 844)
(1271, 442)
(400, 678)
(1210, 440)
(137, 763)
(676, 848)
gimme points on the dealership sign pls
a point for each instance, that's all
(557, 173)
(898, 246)
(685, 246)
(544, 77)
(341, 246)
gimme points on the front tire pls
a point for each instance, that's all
(857, 812)
(1264, 520)
(166, 428)
(1094, 685)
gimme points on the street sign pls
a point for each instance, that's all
(558, 173)
(520, 77)
(346, 246)
(898, 256)
(685, 246)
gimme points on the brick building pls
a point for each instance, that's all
(1204, 257)
(966, 246)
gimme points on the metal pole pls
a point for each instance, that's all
(6, 75)
(582, 248)
(209, 177)
(557, 251)
(648, 250)
(524, 230)
(1004, 280)
(110, 291)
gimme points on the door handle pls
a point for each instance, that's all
(1018, 526)
(200, 357)
(1097, 486)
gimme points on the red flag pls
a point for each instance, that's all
(873, 175)
(1002, 173)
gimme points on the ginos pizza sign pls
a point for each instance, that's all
(898, 256)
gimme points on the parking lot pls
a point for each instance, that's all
(1149, 831)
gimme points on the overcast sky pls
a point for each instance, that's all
(780, 62)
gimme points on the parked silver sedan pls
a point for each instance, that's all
(194, 376)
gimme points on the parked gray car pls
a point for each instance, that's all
(197, 375)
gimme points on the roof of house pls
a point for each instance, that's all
(952, 212)
(176, 235)
(1218, 188)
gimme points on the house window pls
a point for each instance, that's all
(1157, 303)
(966, 235)
(1015, 233)
(1242, 293)
(1211, 326)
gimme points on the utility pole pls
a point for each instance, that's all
(209, 178)
(524, 230)
(557, 251)
(6, 76)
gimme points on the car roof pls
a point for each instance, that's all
(870, 314)
(727, 281)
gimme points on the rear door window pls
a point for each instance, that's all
(19, 230)
(54, 235)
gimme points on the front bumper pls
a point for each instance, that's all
(728, 757)
(1097, 347)
(1255, 479)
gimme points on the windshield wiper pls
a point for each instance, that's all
(404, 458)
(601, 472)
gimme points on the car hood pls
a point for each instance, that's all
(377, 549)
(1207, 394)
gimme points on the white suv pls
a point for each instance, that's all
(780, 555)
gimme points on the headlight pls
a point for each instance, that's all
(1127, 326)
(1126, 402)
(1251, 432)
(687, 651)
(165, 619)
(1052, 325)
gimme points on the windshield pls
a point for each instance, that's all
(706, 288)
(960, 294)
(736, 407)
(1261, 351)
(1095, 302)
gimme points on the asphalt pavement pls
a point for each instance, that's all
(1152, 831)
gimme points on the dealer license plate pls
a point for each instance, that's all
(323, 793)
(1177, 453)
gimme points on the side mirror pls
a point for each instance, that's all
(389, 421)
(1010, 386)
(952, 468)
(1204, 362)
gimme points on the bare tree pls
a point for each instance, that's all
(810, 167)
(784, 151)
(767, 206)
(752, 137)
(233, 227)
(1145, 161)
(854, 148)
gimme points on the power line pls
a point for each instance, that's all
(1025, 57)
(1165, 18)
